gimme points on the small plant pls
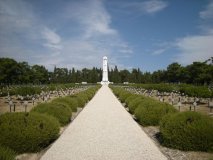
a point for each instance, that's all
(29, 132)
(187, 131)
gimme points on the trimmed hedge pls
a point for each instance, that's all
(147, 110)
(60, 111)
(72, 103)
(6, 153)
(123, 96)
(85, 96)
(134, 103)
(27, 132)
(61, 108)
(187, 131)
(130, 99)
(80, 100)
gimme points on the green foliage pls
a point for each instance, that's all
(131, 98)
(187, 131)
(67, 101)
(196, 91)
(12, 72)
(6, 153)
(190, 90)
(123, 96)
(60, 111)
(134, 103)
(80, 100)
(149, 112)
(29, 132)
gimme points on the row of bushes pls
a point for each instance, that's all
(187, 89)
(147, 110)
(33, 131)
(27, 132)
(180, 130)
(62, 108)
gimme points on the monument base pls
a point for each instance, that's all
(105, 82)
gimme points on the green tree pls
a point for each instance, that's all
(125, 75)
(9, 71)
(40, 74)
(174, 72)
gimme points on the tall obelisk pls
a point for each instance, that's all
(105, 72)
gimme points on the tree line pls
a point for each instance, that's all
(13, 72)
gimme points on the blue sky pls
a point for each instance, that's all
(149, 34)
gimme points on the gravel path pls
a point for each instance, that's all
(104, 130)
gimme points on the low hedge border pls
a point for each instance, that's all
(27, 132)
(62, 108)
(60, 111)
(147, 111)
(33, 131)
(189, 131)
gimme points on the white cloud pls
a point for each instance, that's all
(208, 12)
(25, 36)
(161, 48)
(194, 48)
(159, 51)
(53, 39)
(93, 18)
(51, 36)
(148, 7)
(197, 47)
(154, 6)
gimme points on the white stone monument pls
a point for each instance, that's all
(105, 80)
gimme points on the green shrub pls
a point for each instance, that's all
(187, 131)
(81, 101)
(61, 112)
(124, 95)
(6, 153)
(84, 97)
(130, 98)
(29, 132)
(116, 90)
(68, 101)
(150, 112)
(91, 92)
(134, 103)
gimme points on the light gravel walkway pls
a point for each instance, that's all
(104, 130)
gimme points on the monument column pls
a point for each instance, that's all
(105, 72)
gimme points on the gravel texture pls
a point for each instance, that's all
(104, 130)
